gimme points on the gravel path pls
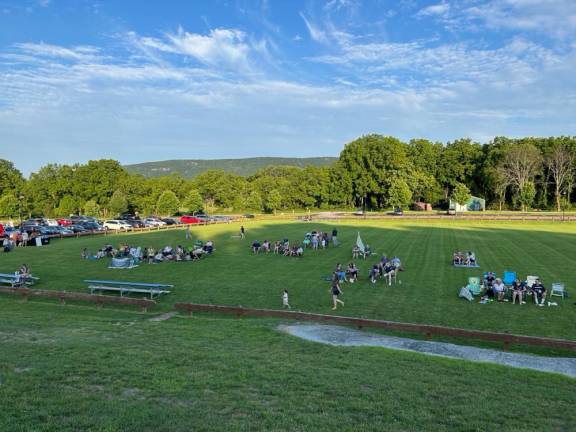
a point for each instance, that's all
(343, 336)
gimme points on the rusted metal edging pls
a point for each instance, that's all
(426, 330)
(63, 296)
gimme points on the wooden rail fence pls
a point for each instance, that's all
(99, 300)
(427, 330)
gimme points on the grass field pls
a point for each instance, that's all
(428, 293)
(74, 368)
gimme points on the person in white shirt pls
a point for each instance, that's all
(285, 303)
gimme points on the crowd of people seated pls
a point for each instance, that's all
(385, 269)
(464, 258)
(280, 247)
(519, 291)
(152, 255)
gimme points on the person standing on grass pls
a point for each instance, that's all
(242, 232)
(336, 291)
(285, 303)
(335, 237)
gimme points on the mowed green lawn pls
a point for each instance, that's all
(428, 293)
(75, 368)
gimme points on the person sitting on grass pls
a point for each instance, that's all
(499, 289)
(489, 279)
(256, 247)
(276, 247)
(352, 272)
(355, 252)
(389, 271)
(471, 258)
(340, 273)
(158, 258)
(396, 262)
(539, 292)
(518, 289)
(374, 273)
(456, 258)
(209, 247)
(179, 253)
(266, 246)
(299, 251)
(85, 254)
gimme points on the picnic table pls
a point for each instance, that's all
(152, 289)
(17, 279)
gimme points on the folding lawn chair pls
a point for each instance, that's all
(557, 290)
(509, 277)
(474, 285)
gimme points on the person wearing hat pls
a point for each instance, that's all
(499, 289)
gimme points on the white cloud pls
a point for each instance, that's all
(435, 10)
(221, 47)
(79, 53)
(316, 34)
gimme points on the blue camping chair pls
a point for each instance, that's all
(508, 277)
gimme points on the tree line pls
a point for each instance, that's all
(373, 171)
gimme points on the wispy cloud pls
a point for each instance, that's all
(316, 34)
(439, 9)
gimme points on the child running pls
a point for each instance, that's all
(285, 303)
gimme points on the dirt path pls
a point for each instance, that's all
(343, 336)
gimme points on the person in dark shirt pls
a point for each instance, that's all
(518, 290)
(256, 246)
(336, 291)
(539, 292)
(335, 237)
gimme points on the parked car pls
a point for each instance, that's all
(115, 224)
(397, 212)
(187, 219)
(77, 228)
(1, 230)
(220, 218)
(153, 222)
(64, 230)
(51, 222)
(248, 216)
(170, 221)
(92, 226)
(64, 222)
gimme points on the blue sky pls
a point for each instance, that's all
(152, 80)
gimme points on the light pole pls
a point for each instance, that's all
(20, 199)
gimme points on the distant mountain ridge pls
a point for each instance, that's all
(189, 168)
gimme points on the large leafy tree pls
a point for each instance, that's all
(11, 180)
(560, 162)
(459, 163)
(118, 203)
(193, 202)
(371, 161)
(520, 165)
(168, 203)
(98, 180)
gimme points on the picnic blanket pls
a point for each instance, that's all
(476, 265)
(122, 263)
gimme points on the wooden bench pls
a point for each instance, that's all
(151, 289)
(16, 279)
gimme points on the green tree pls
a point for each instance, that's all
(9, 205)
(91, 208)
(168, 203)
(118, 203)
(460, 162)
(193, 202)
(67, 206)
(254, 201)
(461, 194)
(11, 180)
(273, 201)
(399, 193)
(526, 195)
